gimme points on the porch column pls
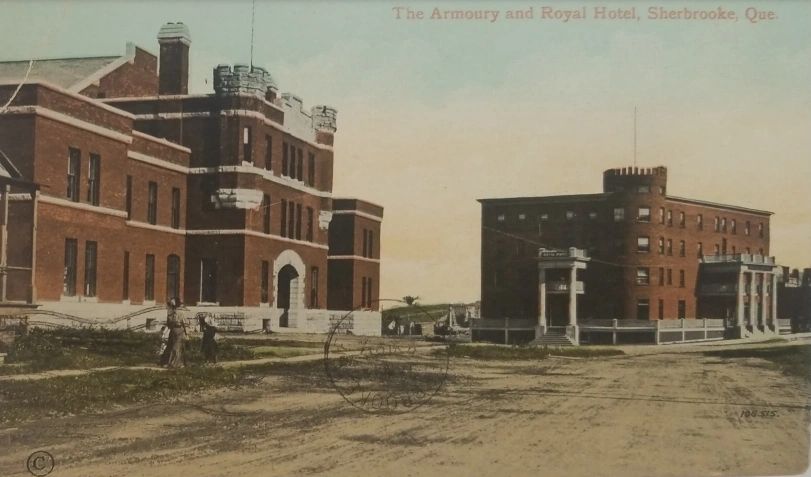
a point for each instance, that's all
(763, 307)
(542, 297)
(775, 323)
(573, 294)
(752, 302)
(741, 288)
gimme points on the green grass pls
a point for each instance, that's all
(98, 391)
(495, 352)
(281, 351)
(791, 360)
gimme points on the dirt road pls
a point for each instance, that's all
(671, 414)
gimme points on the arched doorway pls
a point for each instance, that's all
(289, 275)
(288, 291)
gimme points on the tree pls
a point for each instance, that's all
(410, 300)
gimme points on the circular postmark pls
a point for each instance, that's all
(390, 374)
(40, 463)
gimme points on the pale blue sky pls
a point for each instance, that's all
(434, 114)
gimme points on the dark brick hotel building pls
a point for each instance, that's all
(121, 188)
(637, 253)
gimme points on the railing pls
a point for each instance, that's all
(617, 324)
(739, 258)
(571, 252)
(564, 287)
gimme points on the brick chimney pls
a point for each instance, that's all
(173, 75)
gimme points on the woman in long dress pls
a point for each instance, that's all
(209, 344)
(177, 335)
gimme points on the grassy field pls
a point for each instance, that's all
(496, 352)
(104, 390)
(791, 360)
(43, 350)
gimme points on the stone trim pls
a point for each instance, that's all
(59, 89)
(359, 214)
(47, 199)
(158, 228)
(353, 257)
(71, 121)
(154, 161)
(161, 140)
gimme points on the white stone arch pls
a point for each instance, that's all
(297, 285)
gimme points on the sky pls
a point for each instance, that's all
(434, 114)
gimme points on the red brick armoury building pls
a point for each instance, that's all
(147, 192)
(651, 255)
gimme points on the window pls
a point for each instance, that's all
(291, 220)
(644, 214)
(208, 280)
(314, 287)
(522, 217)
(266, 213)
(662, 190)
(643, 189)
(94, 179)
(246, 144)
(283, 228)
(734, 250)
(544, 217)
(734, 226)
(661, 309)
(724, 246)
(748, 251)
(682, 248)
(264, 297)
(369, 289)
(268, 152)
(760, 251)
(643, 309)
(311, 168)
(760, 230)
(619, 214)
(90, 262)
(700, 221)
(125, 292)
(363, 292)
(700, 249)
(570, 215)
(298, 221)
(682, 309)
(128, 198)
(152, 204)
(661, 276)
(208, 185)
(717, 224)
(69, 278)
(723, 224)
(593, 215)
(149, 278)
(74, 170)
(681, 220)
(501, 217)
(670, 246)
(175, 208)
(642, 276)
(717, 249)
(681, 278)
(285, 160)
(661, 245)
(300, 165)
(310, 219)
(669, 276)
(172, 277)
(747, 228)
(661, 215)
(643, 244)
(669, 218)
